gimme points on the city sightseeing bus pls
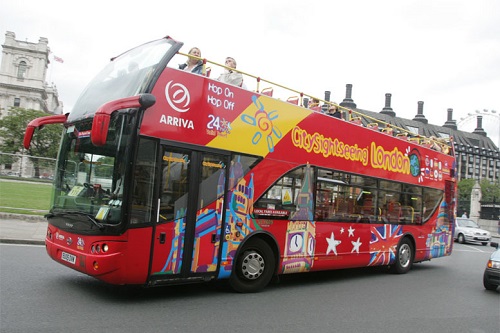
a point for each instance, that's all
(167, 177)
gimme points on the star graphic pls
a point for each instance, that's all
(351, 231)
(341, 231)
(332, 244)
(356, 245)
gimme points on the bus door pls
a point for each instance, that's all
(187, 234)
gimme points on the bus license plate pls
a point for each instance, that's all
(68, 257)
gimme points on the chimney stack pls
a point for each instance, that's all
(420, 113)
(450, 123)
(479, 129)
(348, 102)
(327, 95)
(387, 108)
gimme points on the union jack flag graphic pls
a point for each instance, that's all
(384, 243)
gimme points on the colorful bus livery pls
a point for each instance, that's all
(167, 177)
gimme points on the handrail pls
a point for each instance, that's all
(439, 144)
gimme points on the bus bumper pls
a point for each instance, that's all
(103, 266)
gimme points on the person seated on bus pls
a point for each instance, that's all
(314, 104)
(229, 76)
(334, 111)
(193, 65)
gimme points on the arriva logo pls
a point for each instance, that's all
(177, 96)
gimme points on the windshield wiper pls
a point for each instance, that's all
(90, 217)
(97, 224)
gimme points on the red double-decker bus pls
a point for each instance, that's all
(167, 177)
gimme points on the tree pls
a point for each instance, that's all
(489, 191)
(45, 141)
(465, 188)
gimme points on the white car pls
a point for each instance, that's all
(469, 231)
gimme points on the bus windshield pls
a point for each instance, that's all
(90, 179)
(126, 75)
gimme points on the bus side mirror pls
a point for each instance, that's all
(38, 123)
(102, 117)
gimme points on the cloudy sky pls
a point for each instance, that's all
(443, 52)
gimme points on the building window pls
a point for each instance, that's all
(17, 102)
(21, 71)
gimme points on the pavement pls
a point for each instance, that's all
(22, 229)
(30, 229)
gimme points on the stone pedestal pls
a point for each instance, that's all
(475, 205)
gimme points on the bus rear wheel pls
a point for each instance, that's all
(254, 267)
(404, 257)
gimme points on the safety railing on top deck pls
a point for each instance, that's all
(297, 97)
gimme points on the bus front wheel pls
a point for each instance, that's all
(404, 257)
(254, 267)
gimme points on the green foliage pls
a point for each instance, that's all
(45, 141)
(490, 190)
(465, 188)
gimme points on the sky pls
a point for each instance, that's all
(445, 53)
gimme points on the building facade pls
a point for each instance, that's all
(23, 73)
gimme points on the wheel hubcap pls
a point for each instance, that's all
(252, 266)
(404, 255)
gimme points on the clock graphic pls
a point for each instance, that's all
(310, 246)
(296, 242)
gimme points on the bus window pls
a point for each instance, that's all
(389, 201)
(143, 184)
(345, 197)
(212, 177)
(284, 198)
(174, 186)
(240, 165)
(431, 199)
(411, 209)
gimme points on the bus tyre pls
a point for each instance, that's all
(404, 257)
(254, 267)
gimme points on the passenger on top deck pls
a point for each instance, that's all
(231, 77)
(193, 65)
(334, 112)
(314, 102)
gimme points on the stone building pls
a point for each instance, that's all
(23, 73)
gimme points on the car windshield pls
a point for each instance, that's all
(467, 224)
